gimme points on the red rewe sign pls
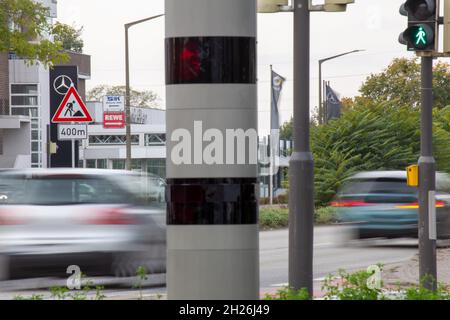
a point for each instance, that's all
(72, 109)
(114, 120)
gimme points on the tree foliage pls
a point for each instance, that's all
(69, 37)
(145, 99)
(400, 83)
(380, 129)
(25, 29)
(286, 130)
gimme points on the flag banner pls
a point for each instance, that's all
(277, 87)
(333, 104)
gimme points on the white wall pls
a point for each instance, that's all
(16, 143)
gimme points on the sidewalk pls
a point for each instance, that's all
(407, 273)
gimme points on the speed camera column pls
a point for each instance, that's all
(212, 141)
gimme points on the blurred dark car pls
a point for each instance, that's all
(381, 204)
(104, 221)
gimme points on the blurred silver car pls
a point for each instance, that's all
(106, 222)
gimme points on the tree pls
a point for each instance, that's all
(69, 37)
(400, 82)
(24, 30)
(146, 99)
(286, 130)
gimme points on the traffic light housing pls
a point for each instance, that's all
(337, 5)
(271, 6)
(423, 26)
(447, 26)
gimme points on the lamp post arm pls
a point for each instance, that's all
(130, 24)
(339, 55)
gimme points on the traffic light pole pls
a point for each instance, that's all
(427, 183)
(301, 198)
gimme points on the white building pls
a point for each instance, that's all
(106, 148)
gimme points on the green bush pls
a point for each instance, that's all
(325, 215)
(278, 217)
(355, 286)
(350, 286)
(421, 293)
(289, 294)
(273, 218)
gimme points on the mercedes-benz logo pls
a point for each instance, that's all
(62, 84)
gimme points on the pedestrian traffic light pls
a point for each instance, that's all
(422, 31)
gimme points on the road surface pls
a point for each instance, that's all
(332, 251)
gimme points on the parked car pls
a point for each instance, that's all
(381, 204)
(98, 220)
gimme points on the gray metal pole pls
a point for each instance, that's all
(301, 199)
(271, 141)
(128, 160)
(321, 117)
(427, 182)
(127, 102)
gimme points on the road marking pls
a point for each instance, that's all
(324, 244)
(287, 284)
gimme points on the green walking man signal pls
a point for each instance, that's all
(421, 37)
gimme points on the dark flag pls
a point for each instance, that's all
(333, 103)
(277, 86)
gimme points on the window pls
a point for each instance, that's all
(35, 146)
(24, 95)
(112, 140)
(24, 101)
(28, 112)
(102, 164)
(118, 164)
(157, 167)
(90, 164)
(155, 139)
(24, 89)
(63, 190)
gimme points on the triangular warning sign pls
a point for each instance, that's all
(72, 109)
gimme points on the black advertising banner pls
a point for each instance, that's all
(61, 78)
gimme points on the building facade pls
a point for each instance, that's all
(106, 148)
(25, 105)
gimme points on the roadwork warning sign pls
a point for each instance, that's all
(72, 109)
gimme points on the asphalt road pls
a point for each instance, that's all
(333, 250)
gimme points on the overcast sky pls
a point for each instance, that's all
(373, 25)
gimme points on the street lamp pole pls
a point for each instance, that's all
(322, 111)
(127, 88)
(301, 198)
